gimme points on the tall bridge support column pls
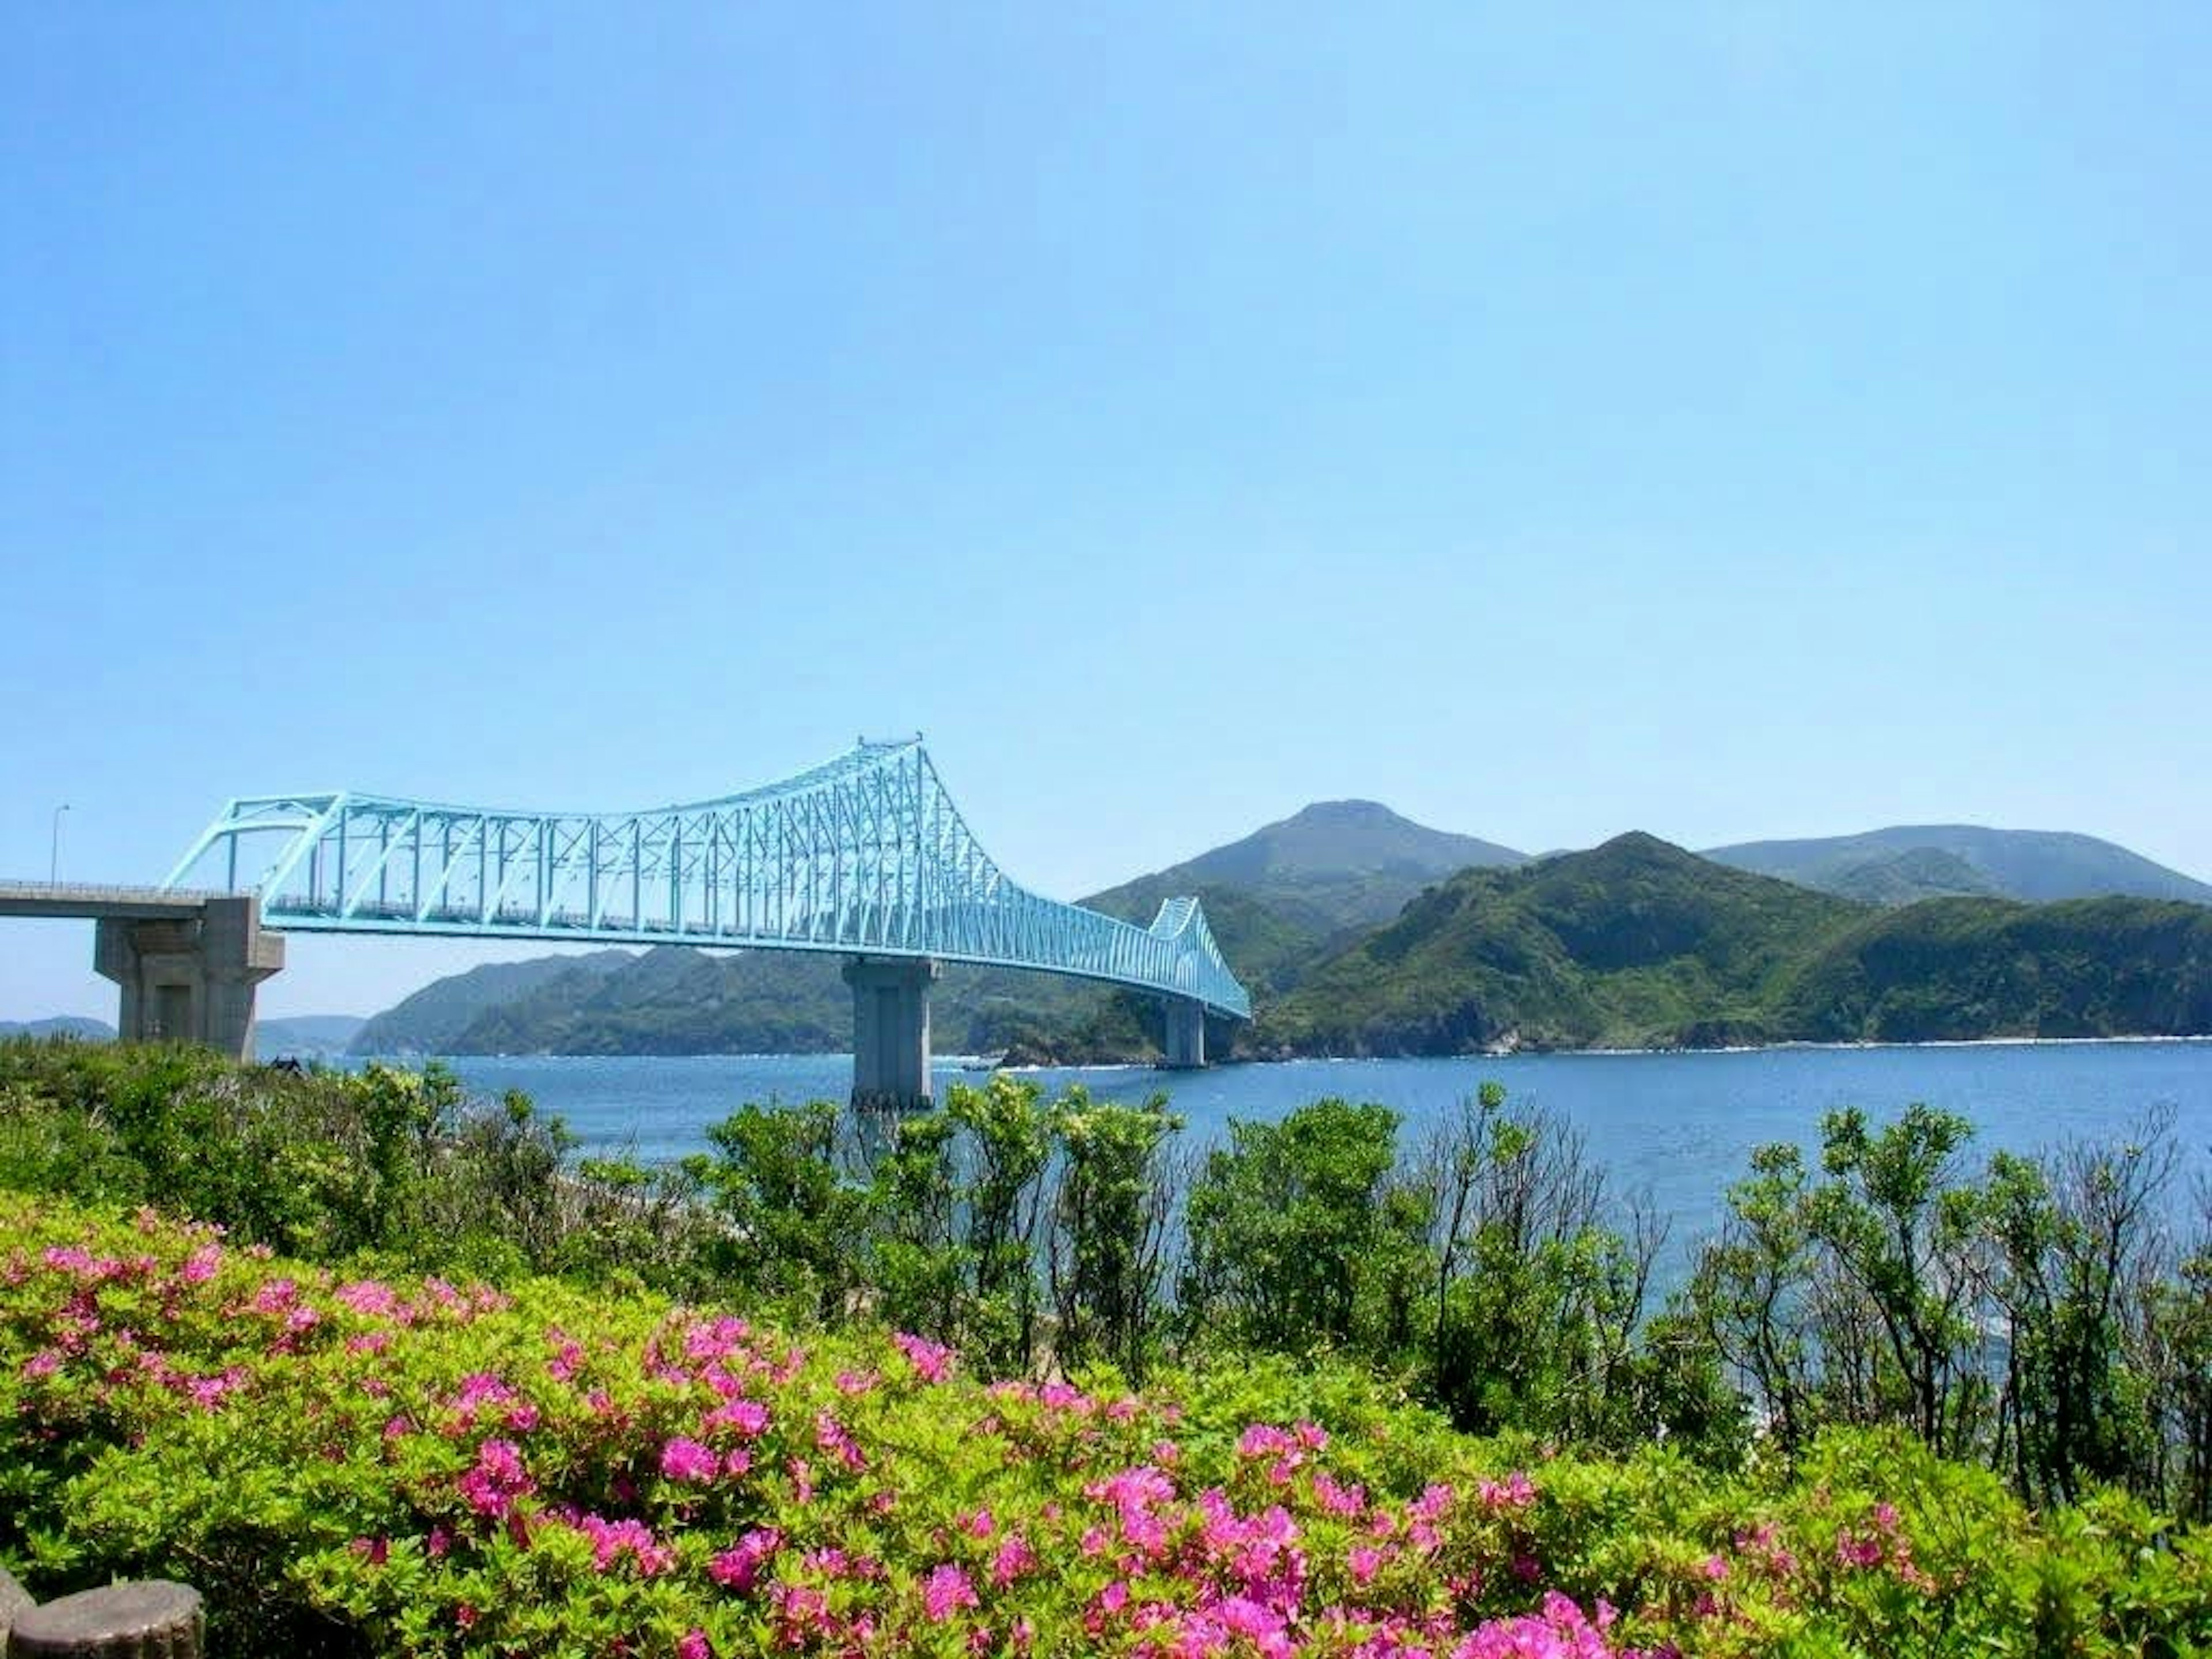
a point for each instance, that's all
(1186, 1034)
(190, 979)
(890, 1032)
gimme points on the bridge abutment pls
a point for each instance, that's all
(890, 1032)
(1186, 1034)
(189, 979)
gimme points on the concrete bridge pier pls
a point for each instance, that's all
(1186, 1034)
(890, 1032)
(191, 978)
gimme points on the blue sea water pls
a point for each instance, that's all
(1677, 1127)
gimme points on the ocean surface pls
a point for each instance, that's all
(1679, 1127)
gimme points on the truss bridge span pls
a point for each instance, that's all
(867, 857)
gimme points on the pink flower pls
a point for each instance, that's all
(612, 1539)
(832, 1436)
(1559, 1631)
(947, 1589)
(737, 1567)
(932, 1361)
(694, 1644)
(1014, 1559)
(1516, 1491)
(368, 1296)
(497, 1479)
(687, 1459)
(1263, 1440)
(1855, 1551)
(1336, 1499)
(747, 1417)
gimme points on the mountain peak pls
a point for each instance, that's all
(1335, 863)
(1341, 812)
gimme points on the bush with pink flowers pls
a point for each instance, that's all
(414, 1466)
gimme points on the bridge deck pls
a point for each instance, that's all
(40, 898)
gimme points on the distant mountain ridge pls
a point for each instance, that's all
(300, 1035)
(2037, 865)
(77, 1025)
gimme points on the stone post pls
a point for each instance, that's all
(155, 1620)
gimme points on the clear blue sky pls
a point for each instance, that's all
(1728, 420)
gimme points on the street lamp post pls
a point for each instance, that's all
(54, 862)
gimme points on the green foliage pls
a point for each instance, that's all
(2024, 1315)
(791, 1219)
(1297, 1238)
(1538, 1304)
(1109, 1228)
(328, 1164)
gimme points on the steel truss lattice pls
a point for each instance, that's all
(865, 856)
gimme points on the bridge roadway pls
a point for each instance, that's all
(867, 857)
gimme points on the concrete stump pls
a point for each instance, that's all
(156, 1619)
(15, 1602)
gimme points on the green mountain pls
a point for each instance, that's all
(1955, 969)
(2038, 865)
(1641, 944)
(671, 1000)
(429, 1021)
(1635, 942)
(1906, 878)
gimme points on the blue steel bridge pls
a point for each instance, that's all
(867, 858)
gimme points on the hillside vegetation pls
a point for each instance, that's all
(1639, 943)
(1634, 943)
